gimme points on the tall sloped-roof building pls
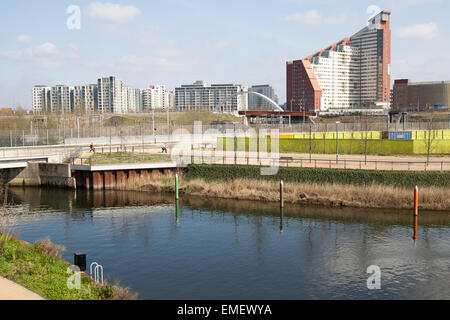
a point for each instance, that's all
(352, 73)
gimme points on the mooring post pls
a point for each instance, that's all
(177, 211)
(281, 219)
(416, 201)
(416, 224)
(79, 260)
(281, 194)
(176, 187)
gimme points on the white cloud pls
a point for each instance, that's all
(313, 17)
(406, 3)
(45, 50)
(24, 38)
(45, 55)
(425, 31)
(112, 13)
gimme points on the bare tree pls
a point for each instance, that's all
(364, 135)
(429, 139)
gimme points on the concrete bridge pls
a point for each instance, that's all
(22, 162)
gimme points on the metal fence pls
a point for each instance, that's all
(214, 157)
(79, 135)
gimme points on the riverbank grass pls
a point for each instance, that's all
(336, 188)
(39, 268)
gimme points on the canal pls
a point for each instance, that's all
(222, 249)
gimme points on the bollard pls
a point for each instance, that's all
(416, 201)
(79, 260)
(281, 194)
(416, 223)
(176, 187)
(281, 220)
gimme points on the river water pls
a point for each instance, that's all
(221, 249)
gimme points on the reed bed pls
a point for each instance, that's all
(326, 194)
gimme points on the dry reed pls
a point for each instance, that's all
(47, 246)
(334, 195)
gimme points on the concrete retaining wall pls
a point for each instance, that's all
(40, 174)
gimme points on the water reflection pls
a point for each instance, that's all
(212, 249)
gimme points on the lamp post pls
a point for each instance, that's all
(337, 142)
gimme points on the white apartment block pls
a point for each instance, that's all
(131, 100)
(157, 97)
(60, 99)
(85, 98)
(110, 95)
(338, 75)
(225, 98)
(41, 99)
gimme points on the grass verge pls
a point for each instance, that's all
(126, 157)
(39, 268)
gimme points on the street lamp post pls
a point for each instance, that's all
(337, 142)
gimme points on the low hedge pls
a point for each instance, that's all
(407, 179)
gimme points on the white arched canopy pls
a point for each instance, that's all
(274, 105)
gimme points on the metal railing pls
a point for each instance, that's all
(301, 162)
(146, 132)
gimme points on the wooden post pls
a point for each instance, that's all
(281, 194)
(176, 187)
(281, 220)
(416, 201)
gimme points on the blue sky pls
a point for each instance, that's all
(176, 42)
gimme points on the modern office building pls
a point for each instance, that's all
(417, 96)
(352, 73)
(157, 97)
(85, 98)
(258, 103)
(225, 98)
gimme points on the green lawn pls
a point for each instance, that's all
(126, 157)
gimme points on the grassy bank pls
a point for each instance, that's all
(314, 190)
(39, 268)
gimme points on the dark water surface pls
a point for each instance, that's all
(220, 249)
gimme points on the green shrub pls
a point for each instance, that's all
(405, 179)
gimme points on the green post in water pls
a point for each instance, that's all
(177, 211)
(176, 187)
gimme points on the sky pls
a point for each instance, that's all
(175, 42)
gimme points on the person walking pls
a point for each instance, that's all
(92, 149)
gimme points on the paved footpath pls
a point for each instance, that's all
(12, 291)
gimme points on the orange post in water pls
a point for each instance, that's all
(416, 201)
